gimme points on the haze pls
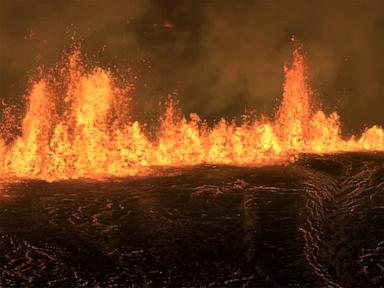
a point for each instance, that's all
(220, 57)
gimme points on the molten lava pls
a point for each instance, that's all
(89, 136)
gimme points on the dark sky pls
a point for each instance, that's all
(220, 56)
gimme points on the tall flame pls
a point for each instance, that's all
(89, 140)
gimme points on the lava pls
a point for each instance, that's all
(82, 131)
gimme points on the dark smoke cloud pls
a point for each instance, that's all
(220, 56)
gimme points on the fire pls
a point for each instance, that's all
(84, 131)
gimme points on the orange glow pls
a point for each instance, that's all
(88, 138)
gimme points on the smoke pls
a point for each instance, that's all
(221, 57)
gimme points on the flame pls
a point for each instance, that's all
(88, 137)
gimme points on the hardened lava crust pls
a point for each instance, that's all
(316, 222)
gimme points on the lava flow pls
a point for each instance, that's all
(85, 131)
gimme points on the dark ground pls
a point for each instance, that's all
(318, 222)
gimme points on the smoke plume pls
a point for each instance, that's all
(221, 57)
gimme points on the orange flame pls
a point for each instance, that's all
(87, 140)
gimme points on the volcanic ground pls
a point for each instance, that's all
(317, 222)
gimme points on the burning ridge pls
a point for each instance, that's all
(92, 135)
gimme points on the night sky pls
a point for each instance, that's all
(221, 57)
